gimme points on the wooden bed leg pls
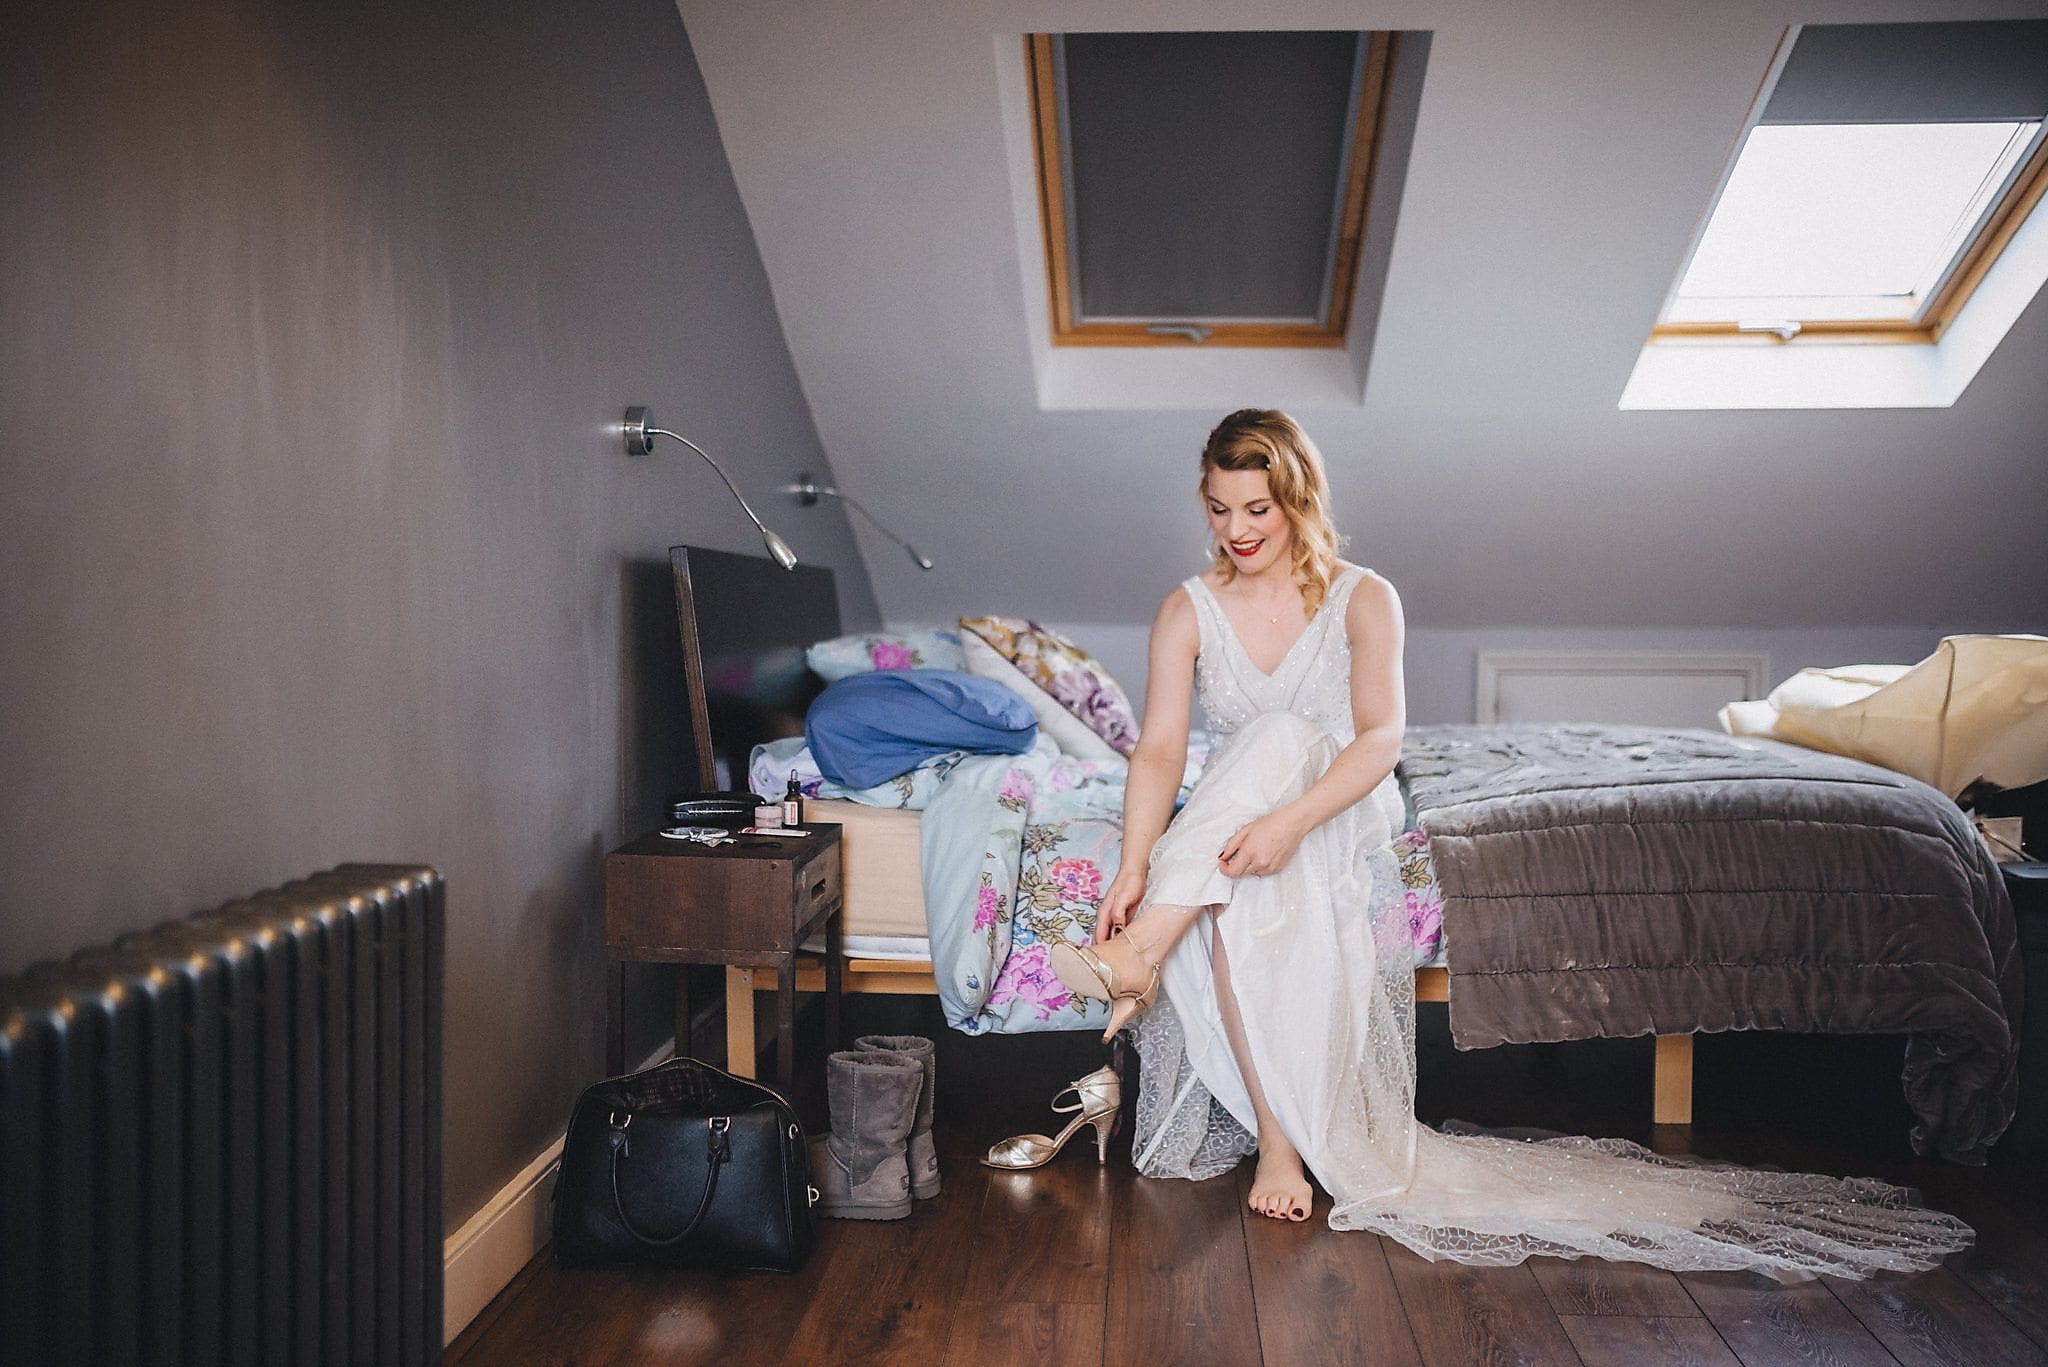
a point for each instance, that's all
(1671, 1102)
(739, 1021)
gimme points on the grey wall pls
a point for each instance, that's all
(314, 541)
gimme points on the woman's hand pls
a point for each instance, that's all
(1264, 846)
(1126, 890)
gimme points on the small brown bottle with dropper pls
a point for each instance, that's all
(793, 802)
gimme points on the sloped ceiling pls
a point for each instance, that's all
(1562, 157)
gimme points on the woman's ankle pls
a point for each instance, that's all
(1153, 933)
(1277, 1147)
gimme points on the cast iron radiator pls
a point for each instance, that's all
(220, 1139)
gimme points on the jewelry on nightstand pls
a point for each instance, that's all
(700, 835)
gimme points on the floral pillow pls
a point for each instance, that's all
(865, 652)
(1070, 683)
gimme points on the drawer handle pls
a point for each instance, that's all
(818, 888)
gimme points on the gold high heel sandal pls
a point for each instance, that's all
(1097, 1098)
(1082, 971)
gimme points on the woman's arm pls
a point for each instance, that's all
(1160, 758)
(1372, 621)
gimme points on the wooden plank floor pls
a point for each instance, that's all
(1082, 1264)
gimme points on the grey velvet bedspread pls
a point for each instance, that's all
(1614, 881)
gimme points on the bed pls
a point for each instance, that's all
(1563, 883)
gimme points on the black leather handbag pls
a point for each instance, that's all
(684, 1164)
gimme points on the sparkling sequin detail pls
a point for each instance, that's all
(1312, 680)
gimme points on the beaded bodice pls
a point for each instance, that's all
(1313, 680)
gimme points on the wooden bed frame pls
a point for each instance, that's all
(1671, 1081)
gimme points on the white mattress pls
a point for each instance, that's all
(884, 917)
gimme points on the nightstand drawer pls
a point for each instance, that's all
(818, 885)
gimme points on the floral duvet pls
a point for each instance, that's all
(1017, 850)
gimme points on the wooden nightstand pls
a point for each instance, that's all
(751, 903)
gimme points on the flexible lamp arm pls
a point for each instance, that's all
(808, 491)
(640, 432)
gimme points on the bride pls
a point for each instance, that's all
(1268, 912)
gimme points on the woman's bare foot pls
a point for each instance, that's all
(1280, 1189)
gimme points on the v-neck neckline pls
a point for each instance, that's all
(1230, 629)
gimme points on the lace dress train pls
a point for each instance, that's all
(1321, 967)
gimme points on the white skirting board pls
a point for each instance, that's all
(481, 1259)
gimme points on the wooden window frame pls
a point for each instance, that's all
(1973, 263)
(1368, 120)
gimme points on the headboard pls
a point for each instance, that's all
(744, 623)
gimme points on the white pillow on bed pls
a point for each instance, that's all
(1068, 731)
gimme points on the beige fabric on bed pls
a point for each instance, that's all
(879, 868)
(1975, 709)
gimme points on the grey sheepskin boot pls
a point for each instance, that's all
(924, 1159)
(859, 1168)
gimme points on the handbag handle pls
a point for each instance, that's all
(716, 1127)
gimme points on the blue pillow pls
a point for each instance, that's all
(868, 728)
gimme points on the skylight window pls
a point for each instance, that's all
(1840, 222)
(1205, 187)
(1884, 171)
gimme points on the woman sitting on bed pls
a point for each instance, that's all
(1297, 657)
(1287, 1024)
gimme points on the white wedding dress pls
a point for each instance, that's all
(1323, 970)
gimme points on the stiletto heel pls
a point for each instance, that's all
(1123, 1010)
(1097, 1099)
(1085, 973)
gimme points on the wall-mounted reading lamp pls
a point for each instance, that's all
(808, 491)
(640, 434)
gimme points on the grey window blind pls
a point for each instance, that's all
(1948, 72)
(1206, 171)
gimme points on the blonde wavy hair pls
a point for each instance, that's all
(1267, 439)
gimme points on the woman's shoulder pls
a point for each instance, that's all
(1365, 577)
(1178, 607)
(1374, 599)
(1175, 624)
(1188, 593)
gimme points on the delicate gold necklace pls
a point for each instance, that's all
(1274, 618)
